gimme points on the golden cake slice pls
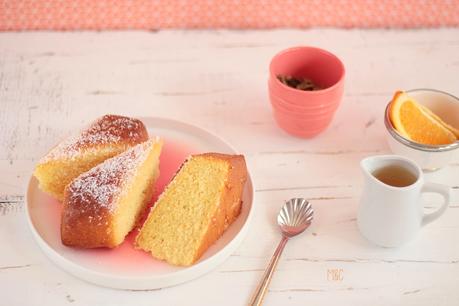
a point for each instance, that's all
(103, 205)
(104, 138)
(197, 206)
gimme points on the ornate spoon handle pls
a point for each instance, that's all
(257, 298)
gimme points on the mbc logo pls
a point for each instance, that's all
(335, 275)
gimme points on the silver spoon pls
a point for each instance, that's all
(295, 216)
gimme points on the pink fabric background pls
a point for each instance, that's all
(160, 14)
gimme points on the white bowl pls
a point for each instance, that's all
(428, 157)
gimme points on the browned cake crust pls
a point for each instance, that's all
(87, 214)
(91, 199)
(125, 129)
(231, 199)
(109, 129)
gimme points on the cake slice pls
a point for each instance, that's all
(103, 205)
(104, 138)
(197, 206)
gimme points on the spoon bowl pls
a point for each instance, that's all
(295, 217)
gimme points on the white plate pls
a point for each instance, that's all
(124, 267)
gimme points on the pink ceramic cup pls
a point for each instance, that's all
(277, 102)
(322, 67)
(303, 115)
(312, 105)
(306, 113)
(302, 128)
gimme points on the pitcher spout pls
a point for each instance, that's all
(369, 164)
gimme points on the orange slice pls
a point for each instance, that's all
(414, 122)
(439, 120)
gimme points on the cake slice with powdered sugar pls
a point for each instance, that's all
(104, 138)
(103, 205)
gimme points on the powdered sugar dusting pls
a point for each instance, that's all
(98, 188)
(109, 129)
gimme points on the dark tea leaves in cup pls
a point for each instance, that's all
(298, 83)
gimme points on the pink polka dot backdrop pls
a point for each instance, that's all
(241, 14)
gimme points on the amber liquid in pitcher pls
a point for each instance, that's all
(394, 175)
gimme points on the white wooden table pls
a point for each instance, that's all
(51, 83)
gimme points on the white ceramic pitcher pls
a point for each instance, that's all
(390, 216)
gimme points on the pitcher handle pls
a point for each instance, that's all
(443, 191)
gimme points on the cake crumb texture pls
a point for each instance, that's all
(198, 205)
